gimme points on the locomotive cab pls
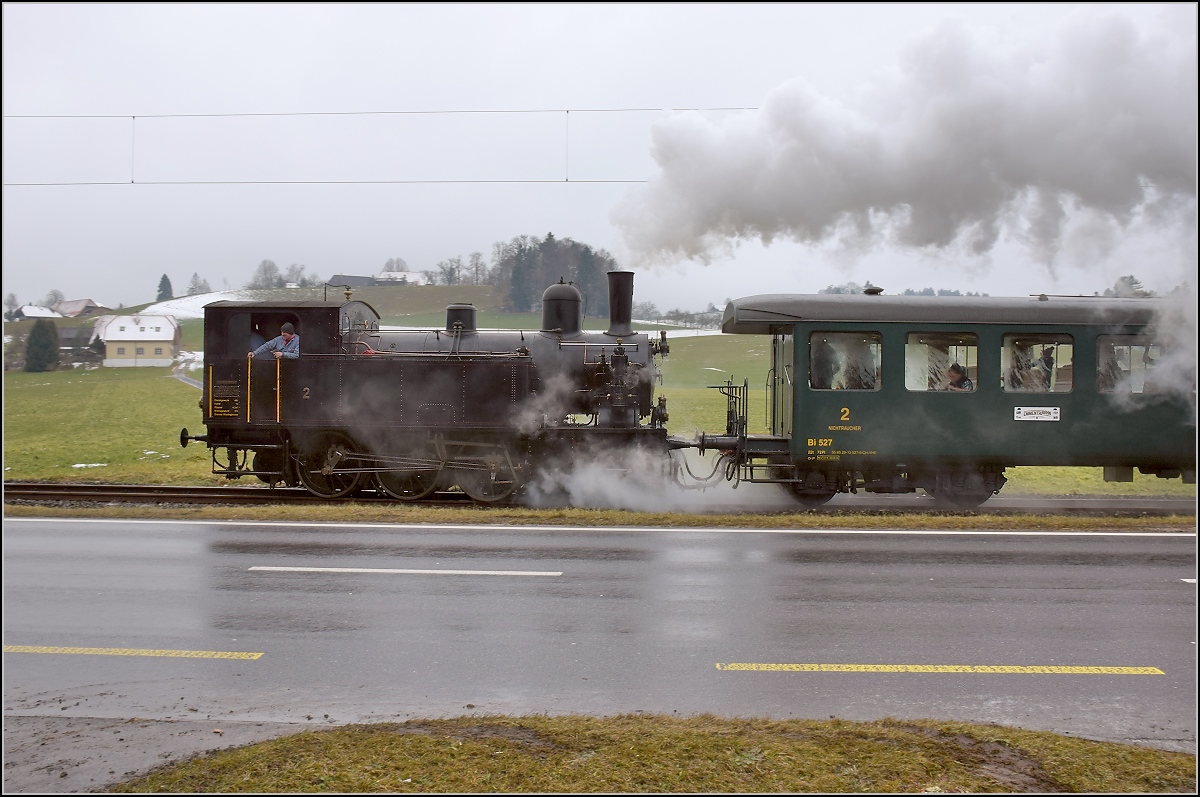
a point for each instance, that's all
(250, 404)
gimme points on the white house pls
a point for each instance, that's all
(35, 311)
(138, 340)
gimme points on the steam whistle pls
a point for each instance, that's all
(660, 347)
(658, 415)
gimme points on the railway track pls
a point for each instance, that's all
(172, 494)
(1096, 506)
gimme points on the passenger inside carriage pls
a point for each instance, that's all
(941, 361)
(1037, 363)
(958, 382)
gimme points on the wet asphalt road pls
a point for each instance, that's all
(596, 621)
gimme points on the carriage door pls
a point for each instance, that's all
(779, 389)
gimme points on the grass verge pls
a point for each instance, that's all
(647, 753)
(374, 512)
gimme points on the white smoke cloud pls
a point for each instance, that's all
(1062, 145)
(642, 480)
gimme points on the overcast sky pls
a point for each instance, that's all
(1008, 148)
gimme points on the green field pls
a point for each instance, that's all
(116, 425)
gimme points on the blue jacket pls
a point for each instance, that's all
(290, 349)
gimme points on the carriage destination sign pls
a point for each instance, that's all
(1036, 414)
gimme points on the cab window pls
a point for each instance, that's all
(844, 360)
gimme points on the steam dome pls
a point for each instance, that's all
(562, 309)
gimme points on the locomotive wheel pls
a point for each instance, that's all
(323, 467)
(415, 483)
(269, 460)
(494, 480)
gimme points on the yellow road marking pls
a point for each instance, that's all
(175, 654)
(951, 668)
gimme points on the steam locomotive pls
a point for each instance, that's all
(886, 394)
(408, 412)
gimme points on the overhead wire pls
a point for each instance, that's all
(133, 144)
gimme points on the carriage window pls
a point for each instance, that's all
(1032, 363)
(844, 360)
(1126, 364)
(941, 361)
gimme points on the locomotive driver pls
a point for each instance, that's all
(286, 345)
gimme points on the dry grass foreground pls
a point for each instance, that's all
(646, 753)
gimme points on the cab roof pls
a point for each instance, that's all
(287, 305)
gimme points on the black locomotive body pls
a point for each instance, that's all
(411, 411)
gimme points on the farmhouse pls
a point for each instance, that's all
(137, 340)
(75, 308)
(34, 311)
(75, 337)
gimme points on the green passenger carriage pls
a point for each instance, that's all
(860, 394)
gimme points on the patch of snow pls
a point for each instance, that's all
(92, 465)
(193, 306)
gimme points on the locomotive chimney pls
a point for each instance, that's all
(620, 304)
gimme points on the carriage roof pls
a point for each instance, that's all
(764, 314)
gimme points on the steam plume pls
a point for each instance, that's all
(968, 140)
(639, 480)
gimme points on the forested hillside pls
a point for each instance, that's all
(525, 266)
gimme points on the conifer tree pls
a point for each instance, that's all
(41, 350)
(164, 289)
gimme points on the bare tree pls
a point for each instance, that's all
(266, 276)
(477, 268)
(450, 271)
(645, 311)
(198, 285)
